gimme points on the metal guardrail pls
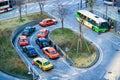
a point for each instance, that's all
(13, 37)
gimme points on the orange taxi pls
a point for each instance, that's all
(51, 52)
(47, 22)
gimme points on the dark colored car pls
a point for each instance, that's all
(42, 42)
(30, 50)
(47, 22)
(28, 31)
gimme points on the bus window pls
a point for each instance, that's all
(81, 16)
(84, 17)
(4, 3)
(104, 25)
(88, 19)
(93, 22)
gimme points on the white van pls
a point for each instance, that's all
(110, 2)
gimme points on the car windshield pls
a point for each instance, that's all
(45, 20)
(23, 40)
(26, 30)
(30, 48)
(44, 40)
(104, 25)
(53, 52)
(41, 32)
(32, 51)
(46, 63)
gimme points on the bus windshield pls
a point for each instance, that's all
(104, 25)
(3, 3)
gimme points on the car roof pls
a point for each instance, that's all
(40, 59)
(22, 37)
(29, 47)
(43, 30)
(46, 19)
(42, 39)
(49, 48)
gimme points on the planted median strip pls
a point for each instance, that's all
(83, 56)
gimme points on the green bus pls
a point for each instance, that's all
(92, 21)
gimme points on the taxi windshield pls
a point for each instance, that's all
(46, 63)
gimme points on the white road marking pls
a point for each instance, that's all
(113, 70)
(65, 3)
(55, 77)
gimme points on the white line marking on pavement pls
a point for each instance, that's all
(55, 77)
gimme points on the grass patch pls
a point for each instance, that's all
(81, 57)
(11, 24)
(9, 58)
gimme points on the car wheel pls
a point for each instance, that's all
(56, 22)
(93, 29)
(99, 33)
(41, 47)
(36, 41)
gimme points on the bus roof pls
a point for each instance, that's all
(92, 16)
(3, 0)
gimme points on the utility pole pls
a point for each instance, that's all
(106, 10)
(81, 4)
(113, 3)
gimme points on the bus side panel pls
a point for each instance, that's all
(96, 29)
(86, 23)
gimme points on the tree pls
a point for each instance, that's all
(19, 3)
(86, 3)
(61, 12)
(26, 1)
(41, 5)
(91, 4)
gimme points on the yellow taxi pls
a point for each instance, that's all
(43, 63)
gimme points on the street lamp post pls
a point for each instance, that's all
(113, 3)
(81, 4)
(106, 11)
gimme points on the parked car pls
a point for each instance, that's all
(43, 33)
(30, 50)
(47, 22)
(42, 42)
(51, 52)
(23, 41)
(43, 63)
(110, 2)
(28, 31)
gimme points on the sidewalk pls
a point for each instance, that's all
(111, 13)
